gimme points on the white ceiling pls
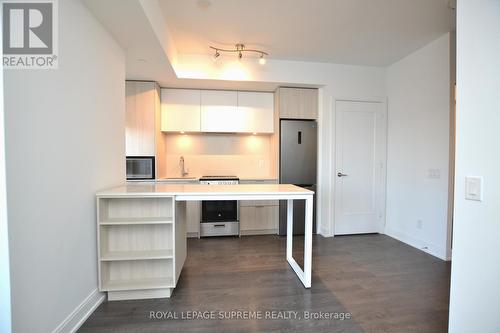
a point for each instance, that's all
(359, 32)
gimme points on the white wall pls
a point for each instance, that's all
(5, 311)
(64, 141)
(475, 269)
(418, 89)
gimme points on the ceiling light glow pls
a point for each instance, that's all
(262, 60)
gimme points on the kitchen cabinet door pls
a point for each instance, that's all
(140, 118)
(298, 103)
(219, 112)
(180, 110)
(256, 111)
(255, 220)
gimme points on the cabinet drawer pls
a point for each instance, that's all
(259, 218)
(219, 229)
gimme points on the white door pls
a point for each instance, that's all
(360, 167)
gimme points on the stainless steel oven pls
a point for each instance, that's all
(219, 218)
(140, 167)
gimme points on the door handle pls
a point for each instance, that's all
(340, 174)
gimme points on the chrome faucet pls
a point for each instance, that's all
(184, 171)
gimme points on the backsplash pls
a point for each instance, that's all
(245, 156)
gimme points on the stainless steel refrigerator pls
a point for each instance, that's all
(298, 153)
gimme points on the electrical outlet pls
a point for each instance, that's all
(261, 163)
(420, 224)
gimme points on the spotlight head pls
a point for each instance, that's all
(216, 55)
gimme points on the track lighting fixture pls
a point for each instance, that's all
(216, 55)
(240, 49)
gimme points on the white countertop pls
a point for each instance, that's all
(187, 179)
(158, 189)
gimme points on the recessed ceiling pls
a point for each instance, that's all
(358, 32)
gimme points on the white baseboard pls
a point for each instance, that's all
(449, 255)
(78, 316)
(325, 234)
(417, 243)
(139, 294)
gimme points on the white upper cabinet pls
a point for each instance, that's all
(219, 112)
(140, 118)
(216, 111)
(180, 110)
(256, 112)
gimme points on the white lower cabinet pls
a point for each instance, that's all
(255, 220)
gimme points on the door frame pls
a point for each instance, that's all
(333, 154)
(5, 285)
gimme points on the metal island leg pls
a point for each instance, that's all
(304, 275)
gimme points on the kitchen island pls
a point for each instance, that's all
(141, 233)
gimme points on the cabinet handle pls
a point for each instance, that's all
(219, 225)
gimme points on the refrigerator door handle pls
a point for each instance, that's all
(299, 137)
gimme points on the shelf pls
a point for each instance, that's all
(137, 255)
(138, 284)
(137, 221)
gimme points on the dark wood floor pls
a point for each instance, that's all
(386, 285)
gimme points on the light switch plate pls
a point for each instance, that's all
(434, 173)
(474, 188)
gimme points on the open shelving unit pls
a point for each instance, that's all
(137, 246)
(135, 221)
(137, 255)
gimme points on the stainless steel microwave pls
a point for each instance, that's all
(140, 167)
